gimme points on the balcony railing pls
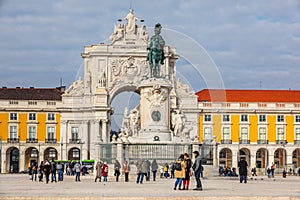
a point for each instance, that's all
(226, 141)
(262, 141)
(31, 140)
(283, 142)
(244, 141)
(12, 140)
(296, 141)
(75, 141)
(51, 140)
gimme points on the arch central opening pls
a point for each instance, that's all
(124, 104)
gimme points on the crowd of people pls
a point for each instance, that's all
(181, 170)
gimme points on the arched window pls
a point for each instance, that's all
(34, 153)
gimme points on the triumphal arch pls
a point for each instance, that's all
(163, 125)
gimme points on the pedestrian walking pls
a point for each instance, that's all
(47, 170)
(105, 171)
(53, 171)
(117, 167)
(269, 172)
(243, 170)
(34, 171)
(126, 170)
(77, 168)
(188, 173)
(98, 171)
(197, 167)
(141, 171)
(148, 166)
(179, 167)
(59, 168)
(272, 170)
(41, 171)
(154, 167)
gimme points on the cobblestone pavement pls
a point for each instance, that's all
(18, 186)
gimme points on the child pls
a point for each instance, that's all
(105, 171)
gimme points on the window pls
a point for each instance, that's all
(32, 132)
(34, 153)
(51, 116)
(262, 118)
(226, 118)
(50, 132)
(207, 134)
(207, 118)
(262, 134)
(32, 116)
(280, 134)
(75, 153)
(297, 118)
(280, 118)
(297, 134)
(74, 132)
(13, 132)
(244, 133)
(244, 118)
(13, 116)
(226, 133)
(52, 153)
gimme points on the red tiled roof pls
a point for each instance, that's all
(30, 94)
(218, 95)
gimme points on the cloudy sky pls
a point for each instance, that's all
(254, 44)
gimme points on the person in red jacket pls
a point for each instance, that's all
(105, 171)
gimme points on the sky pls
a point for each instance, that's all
(252, 44)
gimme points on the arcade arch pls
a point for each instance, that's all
(244, 153)
(262, 158)
(225, 157)
(280, 158)
(296, 157)
(74, 154)
(31, 156)
(12, 158)
(50, 153)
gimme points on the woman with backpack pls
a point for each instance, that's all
(179, 167)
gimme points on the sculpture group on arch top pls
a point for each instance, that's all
(167, 111)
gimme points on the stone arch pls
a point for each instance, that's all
(280, 158)
(122, 88)
(50, 153)
(296, 157)
(31, 156)
(12, 160)
(74, 154)
(225, 157)
(244, 153)
(262, 156)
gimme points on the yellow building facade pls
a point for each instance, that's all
(29, 127)
(261, 126)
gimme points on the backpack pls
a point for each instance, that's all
(177, 166)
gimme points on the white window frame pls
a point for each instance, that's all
(48, 132)
(31, 115)
(76, 153)
(13, 134)
(279, 118)
(278, 129)
(13, 116)
(50, 118)
(207, 118)
(29, 132)
(242, 118)
(229, 133)
(244, 133)
(297, 133)
(259, 133)
(223, 117)
(297, 118)
(264, 117)
(209, 134)
(75, 130)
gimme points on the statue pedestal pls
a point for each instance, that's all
(155, 110)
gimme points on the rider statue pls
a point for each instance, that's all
(156, 52)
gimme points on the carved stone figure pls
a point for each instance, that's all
(134, 118)
(156, 96)
(177, 123)
(156, 52)
(143, 34)
(77, 87)
(130, 26)
(126, 123)
(118, 33)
